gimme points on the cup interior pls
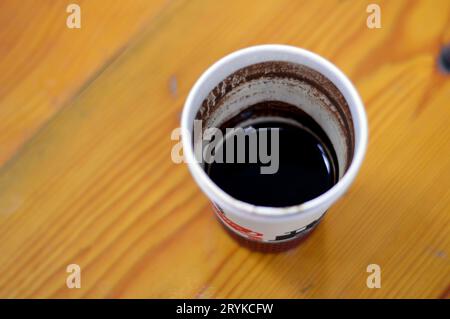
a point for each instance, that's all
(293, 88)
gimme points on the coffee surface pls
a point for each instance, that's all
(307, 165)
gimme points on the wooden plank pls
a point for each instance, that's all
(44, 64)
(96, 186)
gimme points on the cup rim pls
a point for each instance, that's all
(223, 199)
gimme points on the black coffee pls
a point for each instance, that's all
(307, 164)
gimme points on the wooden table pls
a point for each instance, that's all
(86, 175)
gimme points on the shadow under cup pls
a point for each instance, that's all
(299, 89)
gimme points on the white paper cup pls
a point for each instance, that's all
(311, 83)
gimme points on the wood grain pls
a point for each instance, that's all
(45, 64)
(89, 179)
